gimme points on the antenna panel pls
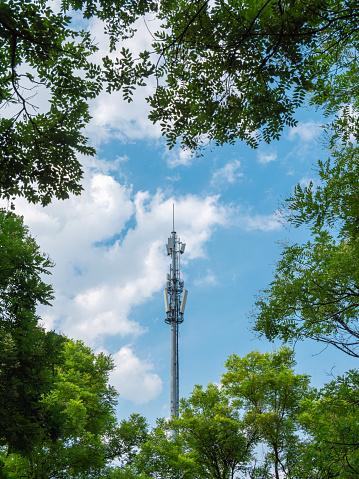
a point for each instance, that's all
(170, 244)
(165, 297)
(184, 301)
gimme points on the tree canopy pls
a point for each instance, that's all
(233, 70)
(27, 353)
(55, 402)
(315, 291)
(224, 70)
(269, 392)
(330, 416)
(45, 56)
(262, 421)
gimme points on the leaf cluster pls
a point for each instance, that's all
(229, 70)
(224, 70)
(56, 406)
(315, 290)
(47, 77)
(331, 418)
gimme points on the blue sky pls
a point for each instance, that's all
(109, 248)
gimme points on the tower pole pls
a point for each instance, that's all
(174, 331)
(174, 370)
(175, 300)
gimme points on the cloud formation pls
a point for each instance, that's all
(112, 116)
(179, 157)
(306, 131)
(229, 173)
(266, 157)
(208, 279)
(134, 378)
(265, 223)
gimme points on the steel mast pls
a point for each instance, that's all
(175, 297)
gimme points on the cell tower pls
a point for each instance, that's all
(175, 297)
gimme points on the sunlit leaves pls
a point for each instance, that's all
(239, 70)
(315, 291)
(331, 416)
(46, 81)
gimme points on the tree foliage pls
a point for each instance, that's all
(27, 353)
(23, 265)
(224, 70)
(55, 403)
(126, 438)
(266, 388)
(78, 411)
(214, 434)
(47, 78)
(229, 70)
(315, 291)
(330, 416)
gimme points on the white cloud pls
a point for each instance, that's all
(208, 279)
(55, 5)
(306, 131)
(104, 166)
(134, 378)
(263, 223)
(229, 173)
(113, 117)
(179, 157)
(108, 246)
(265, 158)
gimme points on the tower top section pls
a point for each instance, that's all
(175, 295)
